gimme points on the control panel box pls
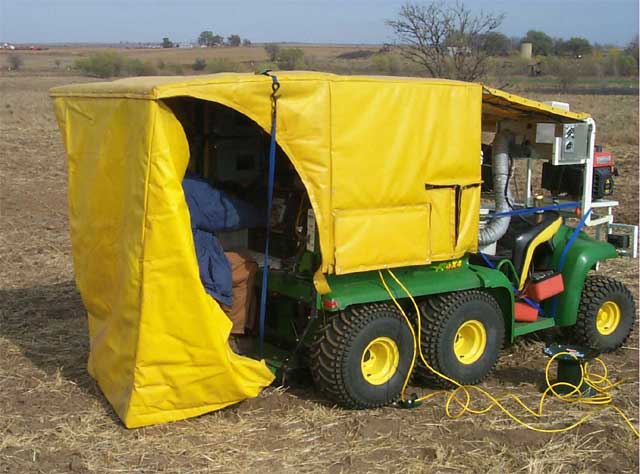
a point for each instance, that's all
(564, 144)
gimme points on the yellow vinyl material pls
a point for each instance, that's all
(158, 341)
(498, 104)
(391, 167)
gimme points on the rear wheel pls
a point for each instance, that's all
(462, 335)
(606, 314)
(361, 357)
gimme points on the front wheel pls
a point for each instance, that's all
(606, 314)
(361, 356)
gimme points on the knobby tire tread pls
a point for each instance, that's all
(331, 347)
(435, 316)
(596, 289)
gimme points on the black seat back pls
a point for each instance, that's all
(523, 239)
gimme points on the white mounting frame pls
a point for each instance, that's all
(601, 216)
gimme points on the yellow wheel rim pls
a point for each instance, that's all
(470, 342)
(608, 318)
(380, 360)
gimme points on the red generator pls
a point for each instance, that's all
(569, 178)
(603, 173)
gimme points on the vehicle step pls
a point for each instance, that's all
(538, 324)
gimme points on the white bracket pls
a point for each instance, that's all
(631, 229)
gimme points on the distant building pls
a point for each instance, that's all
(526, 50)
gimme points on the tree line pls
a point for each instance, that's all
(498, 44)
(448, 40)
(210, 39)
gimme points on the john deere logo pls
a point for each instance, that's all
(452, 265)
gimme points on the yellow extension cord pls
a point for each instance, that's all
(462, 394)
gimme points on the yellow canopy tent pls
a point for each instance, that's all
(391, 167)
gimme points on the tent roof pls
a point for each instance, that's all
(501, 105)
(496, 103)
(158, 87)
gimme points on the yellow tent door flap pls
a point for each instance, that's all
(158, 341)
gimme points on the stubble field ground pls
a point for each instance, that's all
(54, 419)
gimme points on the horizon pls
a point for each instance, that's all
(322, 22)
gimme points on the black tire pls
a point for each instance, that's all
(339, 348)
(597, 291)
(442, 317)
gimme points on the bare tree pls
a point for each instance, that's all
(448, 41)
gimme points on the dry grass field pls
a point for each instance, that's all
(53, 419)
(60, 59)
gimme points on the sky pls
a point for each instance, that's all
(312, 21)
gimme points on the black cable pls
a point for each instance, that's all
(506, 188)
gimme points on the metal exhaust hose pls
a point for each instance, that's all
(497, 227)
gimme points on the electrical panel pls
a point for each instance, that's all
(564, 144)
(572, 146)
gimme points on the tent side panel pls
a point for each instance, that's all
(410, 149)
(184, 366)
(107, 164)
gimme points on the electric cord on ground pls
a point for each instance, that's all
(461, 395)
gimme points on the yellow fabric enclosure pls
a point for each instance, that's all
(498, 104)
(391, 167)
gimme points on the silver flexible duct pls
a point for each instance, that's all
(497, 227)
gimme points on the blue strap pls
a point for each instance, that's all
(534, 210)
(533, 304)
(272, 172)
(565, 252)
(487, 261)
(572, 239)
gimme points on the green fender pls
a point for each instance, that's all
(443, 277)
(581, 257)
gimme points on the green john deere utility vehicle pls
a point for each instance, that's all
(484, 263)
(490, 210)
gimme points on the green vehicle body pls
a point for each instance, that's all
(583, 255)
(442, 277)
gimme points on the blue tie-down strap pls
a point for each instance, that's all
(272, 171)
(535, 210)
(565, 252)
(572, 239)
(533, 304)
(486, 259)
